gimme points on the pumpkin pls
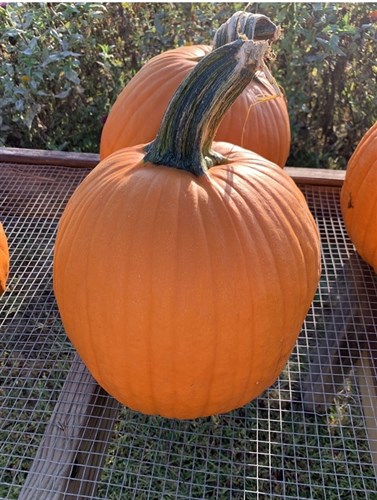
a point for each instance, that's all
(358, 198)
(184, 268)
(258, 120)
(4, 259)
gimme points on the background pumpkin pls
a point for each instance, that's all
(183, 275)
(4, 259)
(258, 119)
(359, 197)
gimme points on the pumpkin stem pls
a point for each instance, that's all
(195, 111)
(247, 26)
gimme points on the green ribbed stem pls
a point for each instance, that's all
(245, 24)
(195, 111)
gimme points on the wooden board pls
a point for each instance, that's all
(314, 176)
(70, 456)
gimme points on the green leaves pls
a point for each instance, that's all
(62, 66)
(325, 64)
(46, 62)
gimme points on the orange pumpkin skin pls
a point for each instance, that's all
(359, 197)
(4, 259)
(185, 295)
(135, 117)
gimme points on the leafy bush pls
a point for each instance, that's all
(63, 64)
(326, 63)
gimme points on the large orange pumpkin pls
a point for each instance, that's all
(258, 120)
(183, 275)
(359, 197)
(4, 259)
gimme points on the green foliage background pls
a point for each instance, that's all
(62, 66)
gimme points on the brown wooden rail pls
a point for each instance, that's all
(43, 157)
(318, 176)
(70, 456)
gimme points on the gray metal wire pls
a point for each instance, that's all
(271, 448)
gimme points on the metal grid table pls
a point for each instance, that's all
(312, 435)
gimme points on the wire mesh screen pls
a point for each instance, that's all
(35, 356)
(312, 435)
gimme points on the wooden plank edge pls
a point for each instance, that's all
(338, 350)
(70, 457)
(366, 377)
(44, 157)
(314, 176)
